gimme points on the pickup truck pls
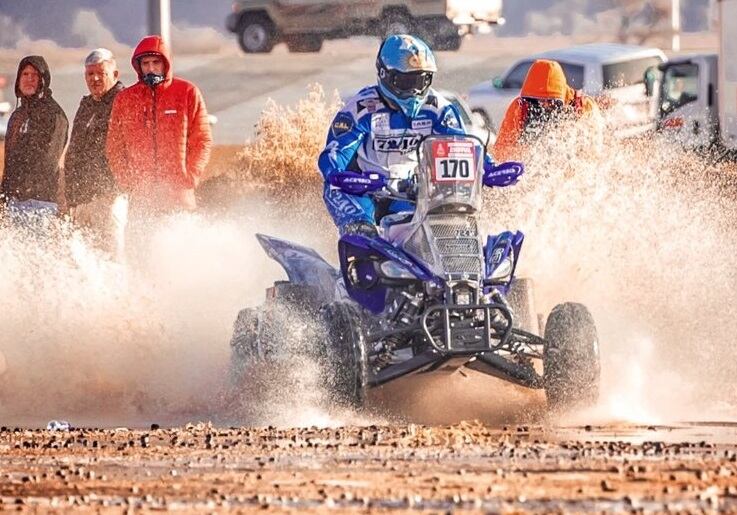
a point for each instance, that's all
(614, 74)
(304, 24)
(695, 96)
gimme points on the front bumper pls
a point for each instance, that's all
(467, 329)
(232, 21)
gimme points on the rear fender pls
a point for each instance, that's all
(359, 255)
(497, 249)
(303, 265)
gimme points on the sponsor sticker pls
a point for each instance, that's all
(421, 124)
(343, 123)
(170, 111)
(453, 161)
(397, 144)
(380, 122)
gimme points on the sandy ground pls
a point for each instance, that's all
(469, 466)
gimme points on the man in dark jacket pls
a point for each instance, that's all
(90, 186)
(37, 134)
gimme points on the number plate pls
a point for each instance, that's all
(453, 161)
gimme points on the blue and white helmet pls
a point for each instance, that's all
(406, 66)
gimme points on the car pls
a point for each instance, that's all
(304, 24)
(612, 73)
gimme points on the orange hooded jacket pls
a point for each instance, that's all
(545, 80)
(159, 138)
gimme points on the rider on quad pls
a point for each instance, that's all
(375, 137)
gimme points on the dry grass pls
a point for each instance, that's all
(282, 159)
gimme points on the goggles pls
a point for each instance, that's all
(406, 85)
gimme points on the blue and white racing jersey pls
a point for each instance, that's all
(369, 136)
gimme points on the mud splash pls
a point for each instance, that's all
(90, 339)
(643, 234)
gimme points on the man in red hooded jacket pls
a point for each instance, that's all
(158, 138)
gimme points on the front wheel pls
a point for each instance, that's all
(344, 356)
(571, 362)
(256, 34)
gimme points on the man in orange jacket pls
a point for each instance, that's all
(159, 138)
(546, 102)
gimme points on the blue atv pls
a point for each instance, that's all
(427, 294)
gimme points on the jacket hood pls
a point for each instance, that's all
(546, 80)
(152, 45)
(42, 67)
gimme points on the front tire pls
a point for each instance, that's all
(571, 362)
(256, 34)
(345, 354)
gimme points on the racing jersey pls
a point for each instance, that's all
(369, 136)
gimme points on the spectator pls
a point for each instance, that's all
(159, 138)
(37, 134)
(90, 186)
(546, 104)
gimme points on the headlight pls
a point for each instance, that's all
(503, 271)
(394, 271)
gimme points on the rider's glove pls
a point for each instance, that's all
(358, 183)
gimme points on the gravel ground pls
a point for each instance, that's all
(467, 466)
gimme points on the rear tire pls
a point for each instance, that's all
(244, 350)
(396, 22)
(304, 43)
(571, 363)
(345, 354)
(256, 34)
(448, 43)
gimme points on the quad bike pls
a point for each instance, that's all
(427, 294)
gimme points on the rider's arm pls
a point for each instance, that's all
(344, 139)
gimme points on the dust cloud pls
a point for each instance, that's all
(643, 233)
(89, 338)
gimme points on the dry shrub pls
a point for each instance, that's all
(282, 159)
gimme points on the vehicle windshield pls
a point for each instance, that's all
(680, 86)
(450, 174)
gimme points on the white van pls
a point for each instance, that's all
(614, 74)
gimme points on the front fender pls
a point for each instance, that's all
(303, 265)
(371, 293)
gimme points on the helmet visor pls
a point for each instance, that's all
(406, 85)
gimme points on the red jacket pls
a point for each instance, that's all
(159, 138)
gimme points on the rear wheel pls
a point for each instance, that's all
(244, 343)
(256, 34)
(396, 22)
(304, 43)
(344, 358)
(571, 363)
(449, 43)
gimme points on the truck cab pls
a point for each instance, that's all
(686, 100)
(694, 98)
